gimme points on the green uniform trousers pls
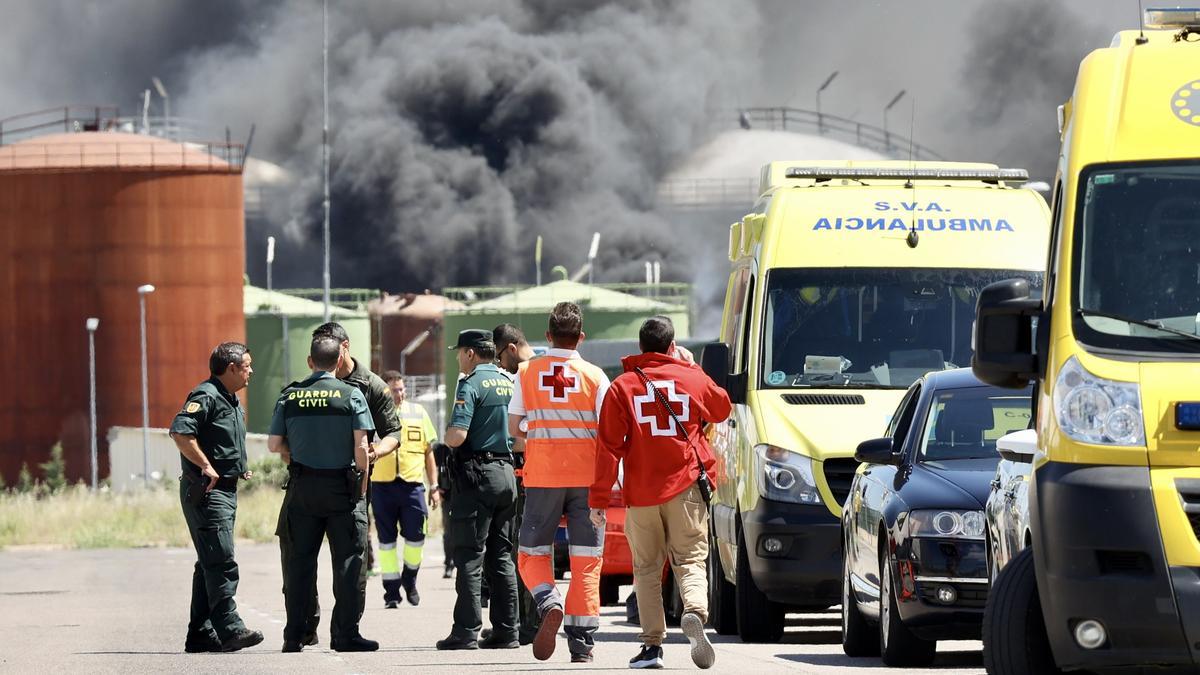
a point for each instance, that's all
(481, 541)
(215, 577)
(285, 547)
(320, 506)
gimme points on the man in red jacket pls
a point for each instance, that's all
(667, 517)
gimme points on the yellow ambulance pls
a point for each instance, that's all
(849, 281)
(1111, 576)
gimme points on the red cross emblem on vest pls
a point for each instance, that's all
(649, 410)
(560, 381)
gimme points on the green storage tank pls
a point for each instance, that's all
(610, 311)
(279, 360)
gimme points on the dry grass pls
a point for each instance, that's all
(79, 518)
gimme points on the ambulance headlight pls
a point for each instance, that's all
(785, 476)
(1095, 410)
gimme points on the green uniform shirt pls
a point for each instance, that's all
(215, 417)
(379, 401)
(318, 416)
(481, 407)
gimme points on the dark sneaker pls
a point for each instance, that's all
(702, 650)
(291, 647)
(309, 640)
(391, 604)
(242, 639)
(455, 643)
(414, 598)
(357, 643)
(485, 634)
(649, 657)
(202, 643)
(498, 642)
(582, 658)
(547, 635)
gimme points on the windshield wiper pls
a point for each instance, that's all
(1137, 322)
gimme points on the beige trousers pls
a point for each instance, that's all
(675, 531)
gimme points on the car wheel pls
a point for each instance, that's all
(722, 613)
(610, 591)
(859, 637)
(1014, 631)
(758, 618)
(897, 644)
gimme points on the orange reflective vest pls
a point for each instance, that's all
(560, 408)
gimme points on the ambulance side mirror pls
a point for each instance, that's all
(1003, 334)
(717, 362)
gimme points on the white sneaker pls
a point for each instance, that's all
(703, 654)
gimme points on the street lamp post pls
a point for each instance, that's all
(820, 120)
(92, 324)
(887, 136)
(325, 141)
(143, 291)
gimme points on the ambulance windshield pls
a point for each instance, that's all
(869, 328)
(1137, 258)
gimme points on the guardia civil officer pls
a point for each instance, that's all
(320, 427)
(387, 431)
(483, 497)
(210, 433)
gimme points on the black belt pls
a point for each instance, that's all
(487, 457)
(227, 483)
(312, 471)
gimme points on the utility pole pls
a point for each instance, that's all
(92, 324)
(820, 118)
(887, 136)
(325, 139)
(143, 291)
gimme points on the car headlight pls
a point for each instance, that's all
(952, 523)
(1095, 410)
(785, 476)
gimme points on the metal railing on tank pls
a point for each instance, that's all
(823, 124)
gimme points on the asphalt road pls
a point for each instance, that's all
(125, 611)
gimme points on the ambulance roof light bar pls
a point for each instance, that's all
(834, 173)
(1173, 17)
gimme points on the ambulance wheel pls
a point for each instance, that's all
(722, 610)
(610, 591)
(758, 618)
(1014, 631)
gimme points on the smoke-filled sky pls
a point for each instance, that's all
(461, 129)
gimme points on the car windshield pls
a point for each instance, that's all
(1137, 258)
(869, 327)
(965, 423)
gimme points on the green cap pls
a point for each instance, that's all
(474, 338)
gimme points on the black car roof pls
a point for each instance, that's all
(959, 378)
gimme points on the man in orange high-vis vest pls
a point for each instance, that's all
(558, 396)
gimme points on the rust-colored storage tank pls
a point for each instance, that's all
(396, 320)
(87, 218)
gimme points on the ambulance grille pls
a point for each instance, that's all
(839, 473)
(1189, 495)
(824, 399)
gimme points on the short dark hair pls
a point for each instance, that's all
(324, 352)
(226, 354)
(656, 335)
(485, 353)
(332, 329)
(566, 322)
(507, 334)
(390, 376)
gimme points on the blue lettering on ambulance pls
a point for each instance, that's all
(876, 223)
(882, 206)
(854, 223)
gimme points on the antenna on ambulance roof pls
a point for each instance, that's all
(1141, 40)
(913, 238)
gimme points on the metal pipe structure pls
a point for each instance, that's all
(886, 134)
(143, 291)
(325, 140)
(92, 324)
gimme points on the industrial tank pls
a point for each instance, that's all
(398, 320)
(87, 218)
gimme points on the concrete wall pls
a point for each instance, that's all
(125, 457)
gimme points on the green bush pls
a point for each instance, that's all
(54, 472)
(25, 480)
(269, 472)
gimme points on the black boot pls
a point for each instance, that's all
(356, 643)
(291, 646)
(455, 643)
(199, 643)
(242, 639)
